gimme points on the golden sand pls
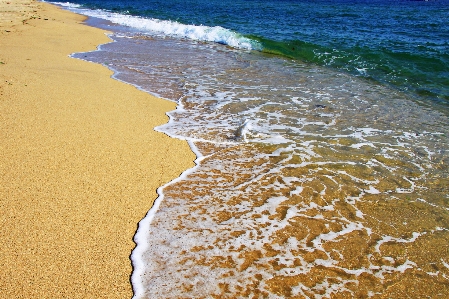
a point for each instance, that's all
(79, 159)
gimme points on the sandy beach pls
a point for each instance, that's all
(79, 159)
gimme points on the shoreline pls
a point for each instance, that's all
(79, 158)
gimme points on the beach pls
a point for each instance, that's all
(321, 151)
(80, 161)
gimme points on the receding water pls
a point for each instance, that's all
(310, 182)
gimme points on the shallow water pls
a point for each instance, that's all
(310, 183)
(337, 186)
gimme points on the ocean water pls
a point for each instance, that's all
(321, 133)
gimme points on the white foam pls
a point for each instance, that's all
(407, 190)
(445, 264)
(215, 34)
(68, 5)
(387, 239)
(372, 190)
(141, 238)
(274, 202)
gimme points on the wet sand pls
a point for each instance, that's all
(79, 159)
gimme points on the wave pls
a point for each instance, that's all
(215, 34)
(416, 69)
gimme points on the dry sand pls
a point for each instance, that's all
(79, 160)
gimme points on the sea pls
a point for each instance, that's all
(321, 130)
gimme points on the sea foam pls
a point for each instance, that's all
(203, 33)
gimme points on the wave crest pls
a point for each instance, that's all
(215, 34)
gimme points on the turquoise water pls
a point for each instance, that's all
(322, 139)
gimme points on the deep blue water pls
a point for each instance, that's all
(401, 43)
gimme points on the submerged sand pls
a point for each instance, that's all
(79, 159)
